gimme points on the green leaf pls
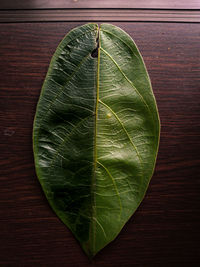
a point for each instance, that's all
(96, 133)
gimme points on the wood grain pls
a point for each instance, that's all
(37, 4)
(165, 229)
(113, 15)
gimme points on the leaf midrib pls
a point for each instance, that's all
(92, 233)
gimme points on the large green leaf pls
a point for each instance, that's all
(96, 133)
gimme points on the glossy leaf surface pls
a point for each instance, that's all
(96, 133)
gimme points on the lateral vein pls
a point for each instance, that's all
(135, 148)
(107, 54)
(114, 184)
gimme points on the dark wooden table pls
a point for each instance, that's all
(165, 229)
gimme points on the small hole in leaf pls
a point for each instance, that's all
(94, 53)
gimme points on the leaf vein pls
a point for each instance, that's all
(66, 138)
(126, 132)
(114, 184)
(62, 87)
(142, 98)
(119, 39)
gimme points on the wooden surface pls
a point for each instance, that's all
(104, 15)
(165, 229)
(35, 4)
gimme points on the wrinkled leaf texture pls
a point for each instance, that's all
(96, 133)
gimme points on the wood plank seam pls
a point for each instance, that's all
(129, 15)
